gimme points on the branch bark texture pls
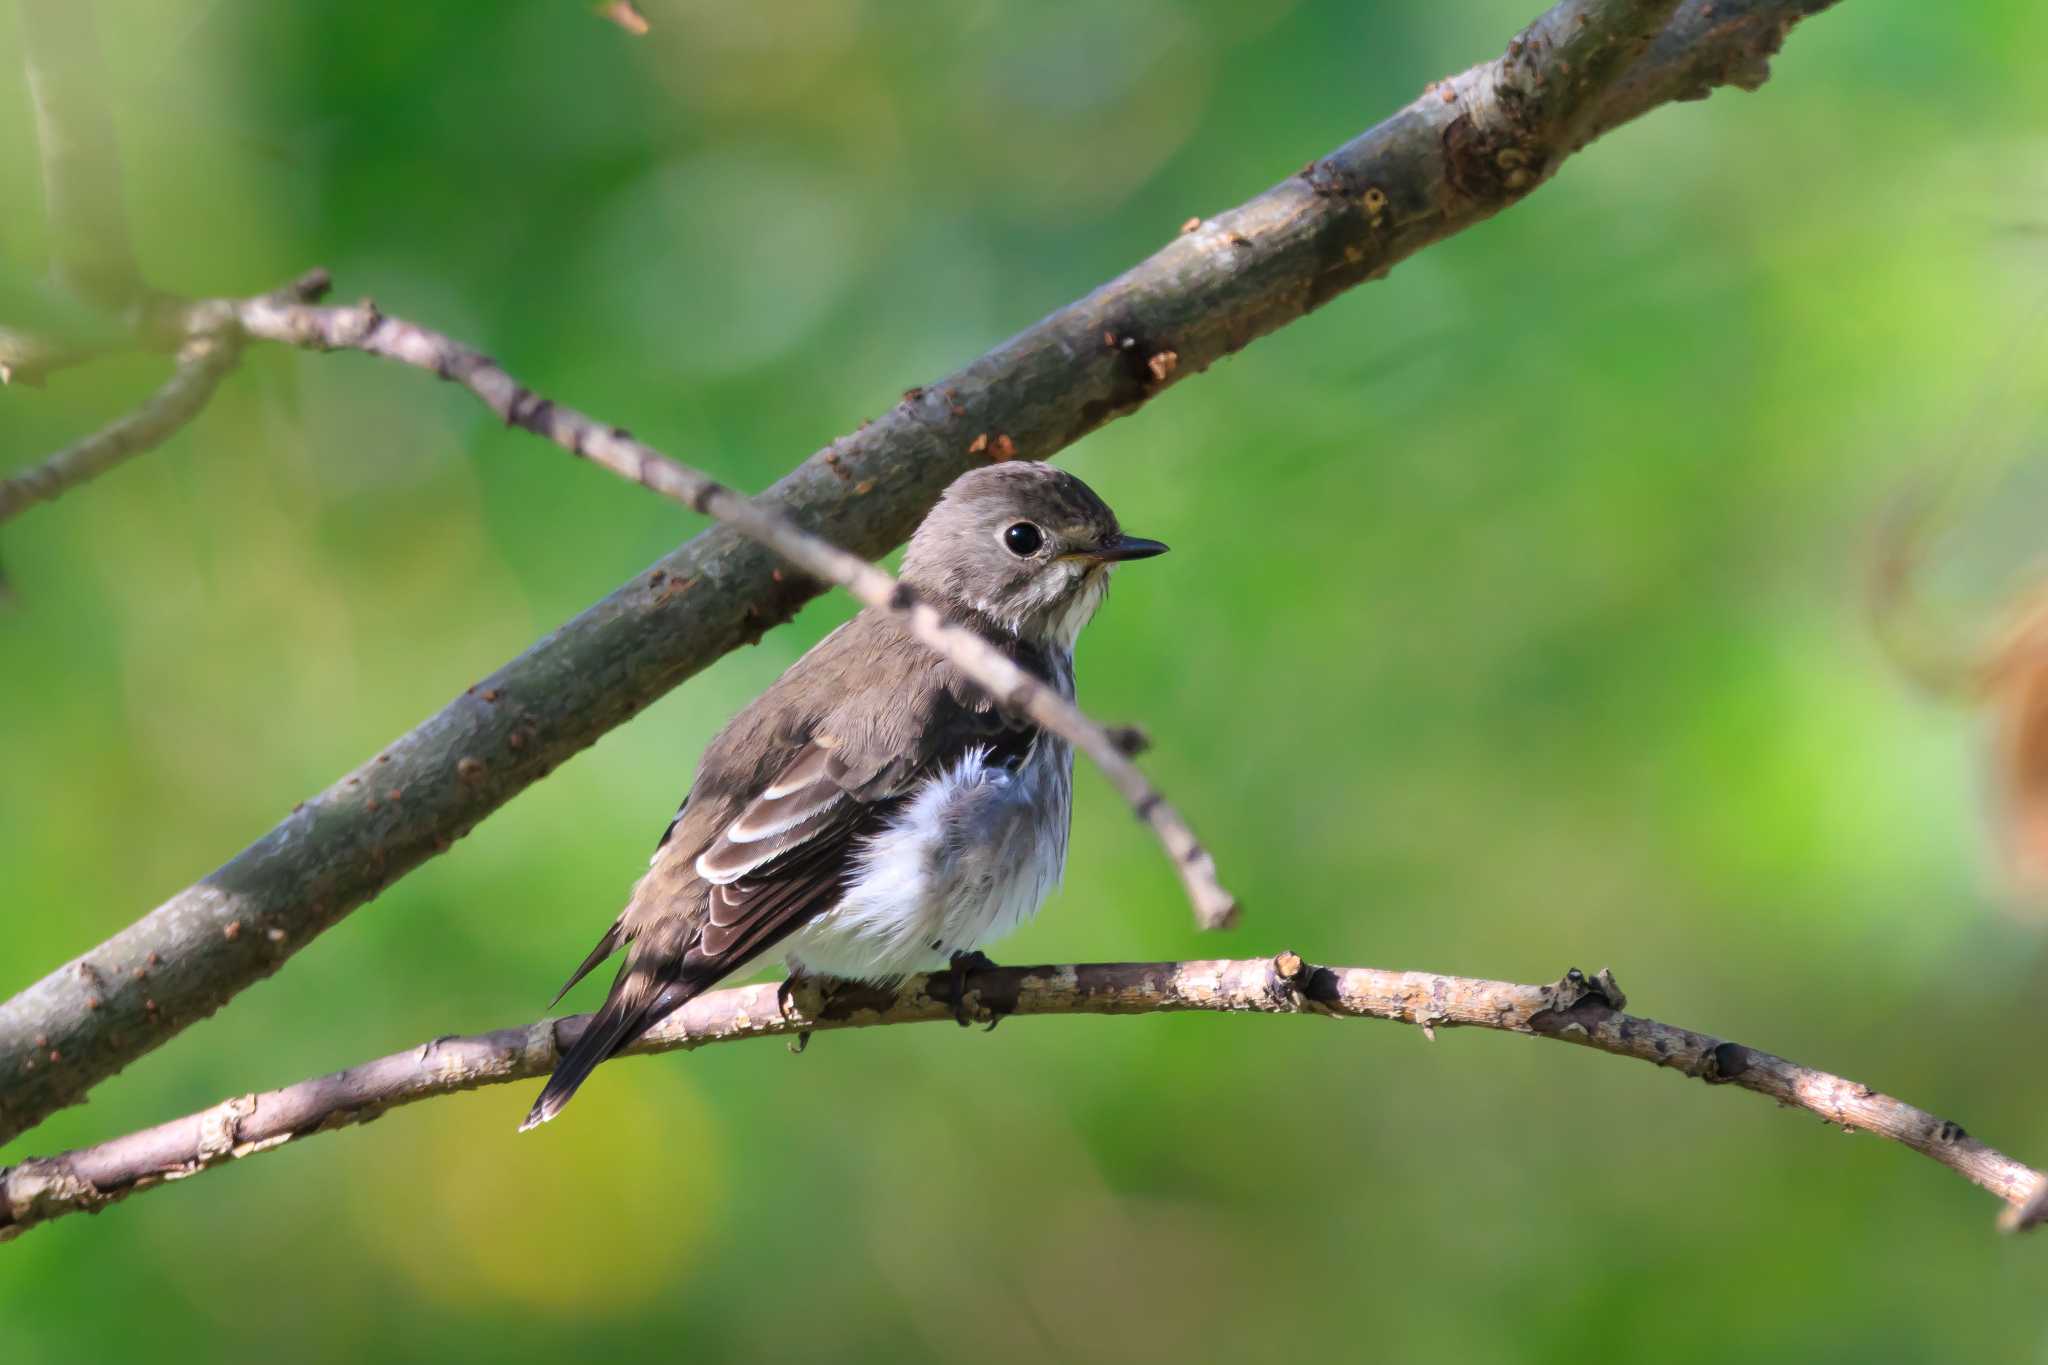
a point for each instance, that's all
(1467, 148)
(1577, 1009)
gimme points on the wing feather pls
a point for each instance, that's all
(731, 880)
(810, 804)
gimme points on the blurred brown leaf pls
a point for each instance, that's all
(2004, 674)
(2015, 689)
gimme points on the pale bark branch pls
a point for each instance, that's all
(1577, 1009)
(364, 328)
(1464, 150)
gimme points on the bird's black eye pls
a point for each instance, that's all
(1023, 539)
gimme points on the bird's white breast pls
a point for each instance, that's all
(972, 855)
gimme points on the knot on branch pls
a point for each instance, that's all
(1723, 1063)
(1489, 165)
(310, 287)
(44, 1187)
(354, 326)
(1304, 986)
(544, 1042)
(220, 1130)
(1578, 1004)
(1130, 740)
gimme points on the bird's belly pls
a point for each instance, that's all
(971, 857)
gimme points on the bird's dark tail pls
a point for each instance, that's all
(649, 987)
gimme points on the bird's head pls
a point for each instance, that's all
(1025, 545)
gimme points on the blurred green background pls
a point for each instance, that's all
(1513, 625)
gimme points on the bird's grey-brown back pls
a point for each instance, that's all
(868, 694)
(873, 811)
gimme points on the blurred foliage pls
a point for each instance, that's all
(1513, 624)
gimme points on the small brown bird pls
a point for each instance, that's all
(873, 812)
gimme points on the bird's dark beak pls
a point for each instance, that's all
(1127, 547)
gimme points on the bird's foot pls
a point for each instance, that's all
(802, 995)
(960, 964)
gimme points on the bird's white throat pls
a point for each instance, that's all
(1057, 615)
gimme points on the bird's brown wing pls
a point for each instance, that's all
(786, 856)
(760, 875)
(788, 853)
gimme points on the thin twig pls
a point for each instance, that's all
(211, 346)
(363, 328)
(27, 358)
(1578, 1009)
(1454, 157)
(203, 362)
(90, 250)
